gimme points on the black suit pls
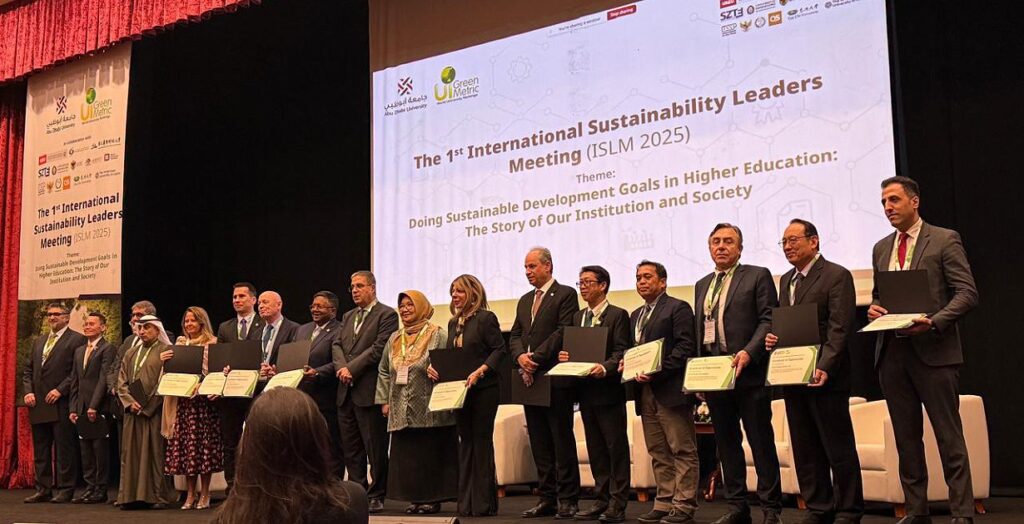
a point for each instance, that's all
(666, 412)
(364, 429)
(40, 379)
(743, 310)
(551, 436)
(603, 409)
(88, 391)
(323, 387)
(925, 369)
(827, 466)
(233, 410)
(483, 344)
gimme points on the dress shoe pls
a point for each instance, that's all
(62, 498)
(98, 496)
(428, 509)
(677, 517)
(915, 519)
(593, 513)
(158, 506)
(567, 510)
(772, 517)
(37, 498)
(376, 505)
(544, 508)
(613, 515)
(733, 517)
(961, 520)
(82, 496)
(652, 517)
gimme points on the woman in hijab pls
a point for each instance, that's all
(142, 448)
(423, 443)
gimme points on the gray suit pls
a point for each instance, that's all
(925, 369)
(364, 430)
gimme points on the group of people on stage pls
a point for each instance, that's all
(369, 377)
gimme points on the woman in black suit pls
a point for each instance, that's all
(475, 330)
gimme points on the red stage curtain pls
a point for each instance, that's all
(12, 135)
(36, 34)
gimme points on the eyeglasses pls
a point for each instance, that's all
(318, 306)
(792, 240)
(52, 314)
(356, 286)
(587, 283)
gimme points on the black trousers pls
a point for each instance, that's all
(232, 415)
(752, 406)
(95, 462)
(554, 447)
(365, 437)
(334, 433)
(907, 383)
(53, 448)
(608, 449)
(478, 481)
(824, 450)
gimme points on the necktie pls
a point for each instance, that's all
(642, 323)
(243, 330)
(88, 353)
(267, 333)
(718, 288)
(359, 319)
(588, 318)
(316, 332)
(537, 297)
(50, 341)
(901, 251)
(792, 287)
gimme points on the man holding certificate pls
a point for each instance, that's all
(921, 364)
(827, 466)
(733, 317)
(666, 412)
(603, 399)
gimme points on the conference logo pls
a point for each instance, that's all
(42, 159)
(803, 11)
(406, 100)
(451, 89)
(405, 86)
(93, 109)
(44, 172)
(775, 18)
(49, 186)
(760, 22)
(62, 104)
(761, 6)
(41, 190)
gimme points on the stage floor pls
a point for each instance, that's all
(1000, 511)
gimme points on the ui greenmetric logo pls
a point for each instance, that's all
(450, 90)
(90, 95)
(448, 75)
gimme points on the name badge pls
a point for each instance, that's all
(710, 330)
(403, 375)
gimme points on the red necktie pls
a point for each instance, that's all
(901, 251)
(537, 297)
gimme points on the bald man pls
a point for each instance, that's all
(277, 330)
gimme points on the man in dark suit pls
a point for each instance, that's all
(921, 364)
(47, 378)
(667, 413)
(320, 381)
(277, 330)
(365, 330)
(733, 316)
(603, 399)
(827, 466)
(246, 325)
(539, 315)
(88, 386)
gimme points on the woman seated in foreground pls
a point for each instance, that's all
(283, 471)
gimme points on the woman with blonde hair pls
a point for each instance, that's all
(475, 331)
(423, 442)
(194, 446)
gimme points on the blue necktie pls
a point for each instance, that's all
(267, 333)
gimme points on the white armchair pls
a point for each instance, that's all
(513, 458)
(879, 460)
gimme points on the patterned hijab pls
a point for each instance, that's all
(411, 342)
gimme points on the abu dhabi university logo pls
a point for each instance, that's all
(405, 86)
(61, 103)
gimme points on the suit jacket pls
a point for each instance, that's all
(746, 315)
(608, 390)
(672, 320)
(830, 286)
(483, 343)
(88, 383)
(228, 330)
(324, 385)
(361, 353)
(285, 334)
(56, 374)
(940, 252)
(556, 310)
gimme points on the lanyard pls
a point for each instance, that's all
(140, 361)
(405, 342)
(713, 296)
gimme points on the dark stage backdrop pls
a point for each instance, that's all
(248, 159)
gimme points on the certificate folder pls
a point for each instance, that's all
(92, 430)
(538, 394)
(239, 355)
(453, 364)
(904, 291)
(138, 393)
(292, 356)
(186, 359)
(586, 344)
(42, 413)
(796, 325)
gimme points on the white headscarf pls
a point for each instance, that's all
(151, 319)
